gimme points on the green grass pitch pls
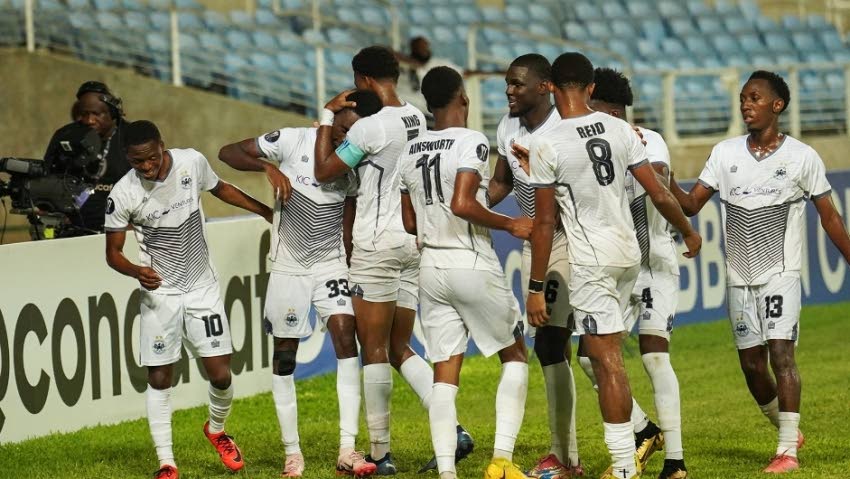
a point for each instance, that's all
(725, 434)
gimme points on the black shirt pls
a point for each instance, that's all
(92, 212)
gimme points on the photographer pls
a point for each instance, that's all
(96, 108)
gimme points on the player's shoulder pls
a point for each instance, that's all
(127, 187)
(186, 154)
(651, 136)
(508, 122)
(796, 146)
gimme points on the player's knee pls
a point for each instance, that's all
(753, 367)
(399, 355)
(284, 362)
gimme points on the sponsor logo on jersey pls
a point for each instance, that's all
(780, 173)
(186, 182)
(272, 136)
(483, 152)
(741, 329)
(755, 191)
(305, 180)
(158, 345)
(110, 206)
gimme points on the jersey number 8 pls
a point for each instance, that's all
(599, 151)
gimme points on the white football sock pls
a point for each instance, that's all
(621, 444)
(771, 411)
(348, 395)
(442, 415)
(377, 389)
(419, 375)
(158, 404)
(510, 407)
(639, 418)
(557, 378)
(667, 403)
(789, 424)
(572, 449)
(587, 367)
(286, 405)
(219, 408)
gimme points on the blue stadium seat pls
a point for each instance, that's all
(544, 29)
(648, 48)
(501, 50)
(597, 29)
(492, 14)
(698, 45)
(640, 9)
(238, 39)
(750, 9)
(374, 16)
(443, 15)
(614, 10)
(212, 42)
(575, 31)
(190, 21)
(672, 9)
(106, 4)
(710, 25)
(673, 47)
(313, 36)
(765, 24)
(778, 42)
(135, 5)
(187, 5)
(109, 21)
(136, 21)
(725, 44)
(189, 42)
(516, 15)
(338, 58)
(587, 11)
(654, 29)
(157, 42)
(787, 58)
(420, 16)
(793, 23)
(468, 14)
(738, 24)
(79, 4)
(737, 59)
(623, 29)
(682, 27)
(290, 61)
(832, 40)
(726, 8)
(539, 12)
(443, 34)
(751, 42)
(264, 40)
(340, 36)
(816, 57)
(622, 47)
(817, 22)
(160, 20)
(214, 20)
(806, 42)
(698, 8)
(241, 17)
(267, 18)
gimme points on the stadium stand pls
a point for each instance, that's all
(270, 57)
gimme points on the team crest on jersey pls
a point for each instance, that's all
(291, 318)
(158, 345)
(186, 182)
(110, 206)
(780, 173)
(272, 136)
(733, 169)
(741, 329)
(483, 152)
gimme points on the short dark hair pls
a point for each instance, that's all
(140, 132)
(777, 84)
(612, 87)
(377, 61)
(440, 85)
(368, 102)
(572, 70)
(535, 62)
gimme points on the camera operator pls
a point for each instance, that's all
(97, 108)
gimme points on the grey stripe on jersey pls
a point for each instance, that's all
(641, 221)
(524, 193)
(311, 231)
(179, 253)
(755, 239)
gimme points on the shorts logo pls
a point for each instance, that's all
(670, 323)
(741, 329)
(646, 316)
(340, 302)
(186, 182)
(291, 318)
(589, 324)
(771, 325)
(794, 332)
(357, 290)
(734, 169)
(483, 152)
(272, 136)
(110, 206)
(305, 158)
(267, 326)
(779, 173)
(158, 345)
(215, 343)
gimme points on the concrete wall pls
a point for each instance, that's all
(36, 92)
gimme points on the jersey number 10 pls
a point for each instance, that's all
(429, 164)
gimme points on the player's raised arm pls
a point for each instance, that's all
(501, 183)
(236, 197)
(329, 164)
(667, 205)
(690, 201)
(245, 155)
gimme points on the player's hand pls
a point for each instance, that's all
(280, 183)
(148, 278)
(639, 134)
(694, 242)
(535, 310)
(521, 227)
(339, 102)
(521, 154)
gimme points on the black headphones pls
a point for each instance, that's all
(116, 108)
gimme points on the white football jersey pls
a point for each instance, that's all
(382, 137)
(762, 204)
(654, 233)
(512, 131)
(308, 230)
(428, 169)
(168, 220)
(585, 159)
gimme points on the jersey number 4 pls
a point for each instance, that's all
(599, 151)
(429, 164)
